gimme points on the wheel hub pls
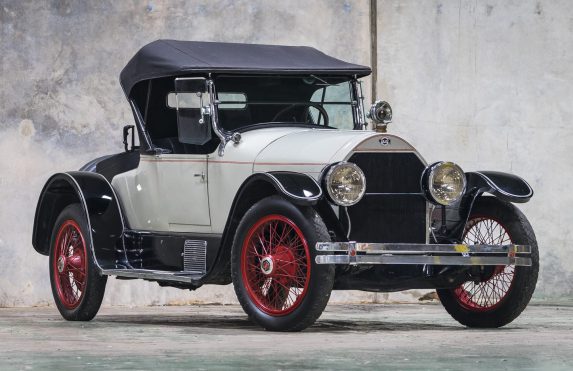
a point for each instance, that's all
(61, 263)
(267, 265)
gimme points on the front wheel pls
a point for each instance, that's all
(502, 292)
(77, 285)
(276, 279)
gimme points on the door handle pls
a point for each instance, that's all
(202, 175)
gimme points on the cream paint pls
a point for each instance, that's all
(168, 192)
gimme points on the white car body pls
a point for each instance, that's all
(196, 191)
(245, 173)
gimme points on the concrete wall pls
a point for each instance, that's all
(487, 84)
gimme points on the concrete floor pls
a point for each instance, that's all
(406, 336)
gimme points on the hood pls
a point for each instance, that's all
(310, 150)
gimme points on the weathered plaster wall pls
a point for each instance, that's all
(489, 84)
(61, 104)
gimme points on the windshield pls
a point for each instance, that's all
(251, 101)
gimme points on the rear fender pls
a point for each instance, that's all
(101, 208)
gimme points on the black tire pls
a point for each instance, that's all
(513, 297)
(309, 298)
(74, 268)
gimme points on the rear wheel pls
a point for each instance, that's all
(77, 285)
(502, 292)
(275, 277)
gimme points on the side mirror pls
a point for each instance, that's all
(126, 130)
(381, 114)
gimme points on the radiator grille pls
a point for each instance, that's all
(393, 208)
(195, 256)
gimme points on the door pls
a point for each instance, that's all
(183, 172)
(183, 189)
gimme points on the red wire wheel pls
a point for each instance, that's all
(275, 265)
(486, 295)
(70, 264)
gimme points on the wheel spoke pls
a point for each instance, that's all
(488, 294)
(281, 289)
(70, 264)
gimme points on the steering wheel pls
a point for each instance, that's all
(315, 105)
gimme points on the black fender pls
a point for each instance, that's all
(301, 189)
(111, 165)
(102, 210)
(507, 187)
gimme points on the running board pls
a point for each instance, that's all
(153, 275)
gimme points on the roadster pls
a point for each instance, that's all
(255, 165)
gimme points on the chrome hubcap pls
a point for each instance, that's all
(267, 265)
(61, 263)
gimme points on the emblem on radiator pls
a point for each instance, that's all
(385, 141)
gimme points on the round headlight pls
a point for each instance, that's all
(444, 183)
(345, 183)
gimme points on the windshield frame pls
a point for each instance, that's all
(358, 114)
(355, 102)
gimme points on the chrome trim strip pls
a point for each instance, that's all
(422, 260)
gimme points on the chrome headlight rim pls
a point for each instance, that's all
(427, 181)
(326, 181)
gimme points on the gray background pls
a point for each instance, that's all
(485, 84)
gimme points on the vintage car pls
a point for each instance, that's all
(256, 166)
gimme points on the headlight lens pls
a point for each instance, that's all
(444, 183)
(345, 183)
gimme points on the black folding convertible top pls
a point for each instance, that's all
(164, 58)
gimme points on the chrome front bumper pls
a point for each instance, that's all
(420, 254)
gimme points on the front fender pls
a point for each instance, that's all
(101, 208)
(299, 188)
(506, 187)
